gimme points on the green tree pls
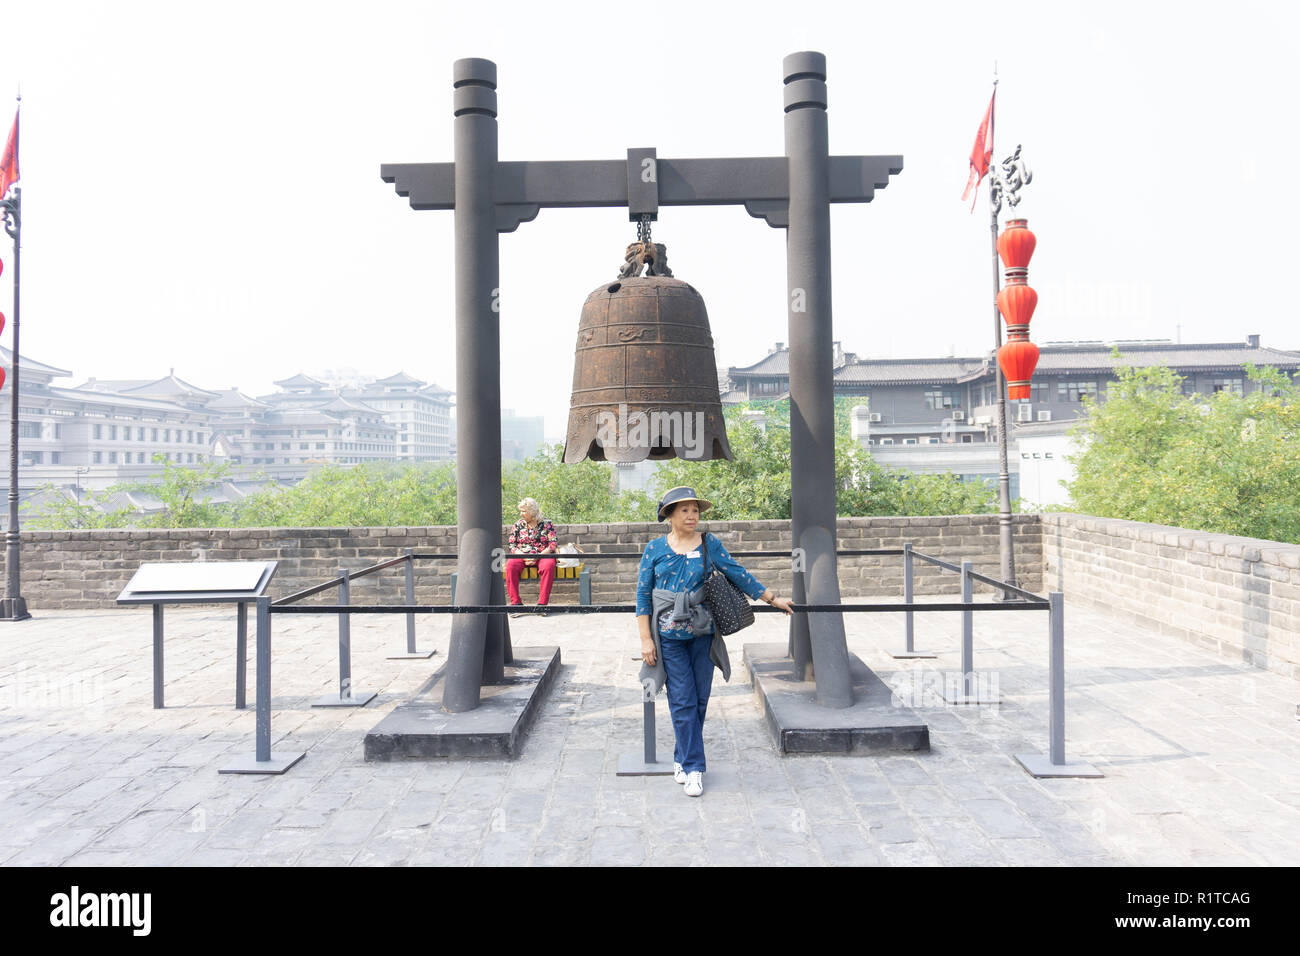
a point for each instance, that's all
(57, 512)
(184, 492)
(1225, 463)
(756, 484)
(371, 495)
(579, 493)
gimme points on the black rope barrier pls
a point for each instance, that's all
(548, 609)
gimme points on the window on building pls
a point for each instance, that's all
(886, 441)
(304, 446)
(97, 431)
(153, 434)
(112, 458)
(1225, 383)
(967, 439)
(937, 398)
(97, 457)
(191, 458)
(31, 458)
(284, 446)
(112, 432)
(1074, 391)
(320, 446)
(139, 434)
(29, 429)
(54, 457)
(1040, 391)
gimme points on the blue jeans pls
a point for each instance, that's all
(690, 678)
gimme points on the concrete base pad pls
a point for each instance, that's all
(874, 724)
(359, 698)
(280, 762)
(1039, 765)
(634, 765)
(420, 729)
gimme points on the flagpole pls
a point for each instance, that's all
(14, 606)
(1006, 551)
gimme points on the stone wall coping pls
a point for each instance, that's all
(1277, 553)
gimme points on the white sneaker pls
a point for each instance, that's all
(679, 775)
(694, 783)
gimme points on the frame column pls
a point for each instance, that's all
(472, 658)
(812, 401)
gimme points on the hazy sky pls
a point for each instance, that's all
(201, 182)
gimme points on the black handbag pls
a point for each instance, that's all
(730, 608)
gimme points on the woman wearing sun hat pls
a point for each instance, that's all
(678, 644)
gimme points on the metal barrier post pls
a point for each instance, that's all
(630, 765)
(968, 689)
(910, 624)
(1055, 764)
(1056, 681)
(909, 616)
(263, 760)
(409, 568)
(346, 697)
(648, 725)
(411, 652)
(967, 630)
(157, 655)
(241, 654)
(263, 748)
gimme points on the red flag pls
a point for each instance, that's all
(9, 162)
(981, 153)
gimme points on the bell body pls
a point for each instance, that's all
(645, 384)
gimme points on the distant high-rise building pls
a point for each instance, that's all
(109, 430)
(521, 435)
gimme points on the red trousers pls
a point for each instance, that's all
(545, 577)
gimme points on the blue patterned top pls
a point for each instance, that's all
(664, 569)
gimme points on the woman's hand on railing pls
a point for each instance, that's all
(767, 597)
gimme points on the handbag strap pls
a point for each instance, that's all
(704, 547)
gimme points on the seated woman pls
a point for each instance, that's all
(531, 534)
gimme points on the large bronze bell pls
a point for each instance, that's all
(644, 380)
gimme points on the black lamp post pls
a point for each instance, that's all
(13, 607)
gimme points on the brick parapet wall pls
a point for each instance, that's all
(1237, 596)
(88, 569)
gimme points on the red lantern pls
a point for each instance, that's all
(1016, 244)
(1018, 359)
(2, 378)
(1017, 302)
(2, 321)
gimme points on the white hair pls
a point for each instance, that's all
(531, 506)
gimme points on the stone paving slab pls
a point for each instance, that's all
(1201, 755)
